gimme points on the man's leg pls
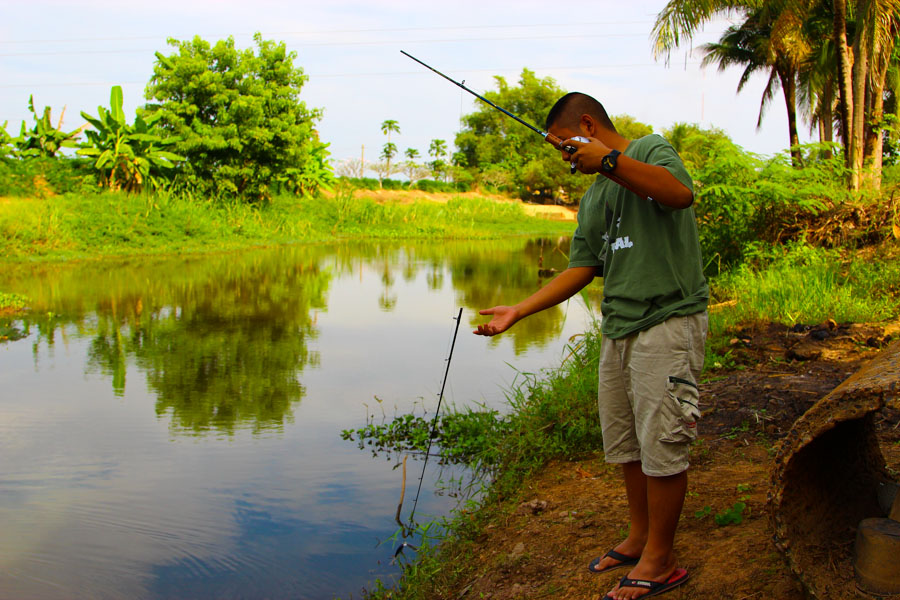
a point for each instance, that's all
(664, 501)
(636, 490)
(621, 446)
(664, 362)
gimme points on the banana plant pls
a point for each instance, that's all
(42, 140)
(128, 157)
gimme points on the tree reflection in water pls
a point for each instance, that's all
(224, 339)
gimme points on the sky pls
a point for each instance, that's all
(68, 54)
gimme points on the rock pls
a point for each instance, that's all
(533, 507)
(518, 550)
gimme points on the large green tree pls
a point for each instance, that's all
(243, 129)
(504, 153)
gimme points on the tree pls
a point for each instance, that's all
(864, 34)
(630, 128)
(44, 140)
(241, 125)
(127, 156)
(352, 167)
(382, 169)
(413, 170)
(390, 150)
(493, 147)
(756, 47)
(437, 150)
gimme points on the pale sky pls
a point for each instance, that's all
(70, 53)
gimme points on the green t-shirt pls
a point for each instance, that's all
(649, 253)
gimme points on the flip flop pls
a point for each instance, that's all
(624, 561)
(656, 587)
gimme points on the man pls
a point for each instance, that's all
(636, 230)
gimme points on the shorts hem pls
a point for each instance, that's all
(666, 471)
(621, 460)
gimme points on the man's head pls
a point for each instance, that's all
(567, 117)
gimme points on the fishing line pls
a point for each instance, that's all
(407, 529)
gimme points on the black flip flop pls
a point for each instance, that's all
(624, 561)
(656, 587)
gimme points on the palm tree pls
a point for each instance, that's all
(753, 46)
(389, 126)
(437, 149)
(875, 27)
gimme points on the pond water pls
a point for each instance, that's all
(170, 427)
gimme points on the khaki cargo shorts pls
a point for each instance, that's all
(648, 396)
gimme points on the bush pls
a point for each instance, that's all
(394, 184)
(42, 177)
(238, 119)
(743, 199)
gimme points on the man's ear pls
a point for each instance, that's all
(589, 125)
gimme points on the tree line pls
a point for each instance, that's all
(836, 62)
(218, 122)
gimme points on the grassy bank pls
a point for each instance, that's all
(553, 415)
(108, 224)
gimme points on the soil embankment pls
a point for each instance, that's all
(576, 510)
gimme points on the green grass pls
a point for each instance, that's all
(110, 224)
(802, 284)
(12, 302)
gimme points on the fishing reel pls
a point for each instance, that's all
(572, 149)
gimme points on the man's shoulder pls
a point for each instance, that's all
(648, 143)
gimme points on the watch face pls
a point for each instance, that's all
(608, 163)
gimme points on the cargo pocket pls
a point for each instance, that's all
(681, 411)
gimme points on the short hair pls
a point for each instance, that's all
(568, 110)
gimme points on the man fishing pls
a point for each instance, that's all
(637, 230)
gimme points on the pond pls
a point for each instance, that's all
(170, 427)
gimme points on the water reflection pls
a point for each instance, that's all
(223, 340)
(169, 427)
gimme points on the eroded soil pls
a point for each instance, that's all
(576, 510)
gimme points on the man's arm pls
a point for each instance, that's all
(651, 181)
(562, 287)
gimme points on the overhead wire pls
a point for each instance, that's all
(333, 31)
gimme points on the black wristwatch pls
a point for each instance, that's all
(608, 162)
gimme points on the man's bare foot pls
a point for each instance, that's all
(628, 553)
(648, 575)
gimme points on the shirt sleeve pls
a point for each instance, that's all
(580, 253)
(663, 154)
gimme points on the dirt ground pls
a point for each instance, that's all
(576, 510)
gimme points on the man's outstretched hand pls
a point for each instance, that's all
(504, 318)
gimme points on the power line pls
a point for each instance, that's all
(360, 43)
(332, 31)
(314, 76)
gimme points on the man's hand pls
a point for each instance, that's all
(504, 318)
(588, 156)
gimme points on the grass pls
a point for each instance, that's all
(12, 302)
(803, 284)
(79, 225)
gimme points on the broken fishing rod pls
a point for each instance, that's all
(408, 529)
(549, 137)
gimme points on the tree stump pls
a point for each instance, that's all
(827, 475)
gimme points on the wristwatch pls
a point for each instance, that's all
(608, 162)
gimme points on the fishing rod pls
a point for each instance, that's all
(549, 137)
(544, 134)
(408, 528)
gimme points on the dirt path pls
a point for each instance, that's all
(576, 510)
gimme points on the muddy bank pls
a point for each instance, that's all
(575, 510)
